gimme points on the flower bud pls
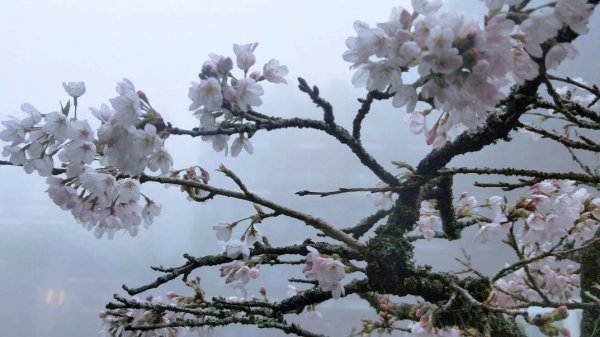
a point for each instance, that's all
(255, 75)
(143, 96)
(225, 65)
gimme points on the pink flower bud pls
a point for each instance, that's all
(432, 134)
(143, 96)
(563, 310)
(225, 65)
(255, 75)
(405, 18)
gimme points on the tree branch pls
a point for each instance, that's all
(310, 220)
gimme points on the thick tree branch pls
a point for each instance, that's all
(583, 178)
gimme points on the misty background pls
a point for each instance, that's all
(55, 277)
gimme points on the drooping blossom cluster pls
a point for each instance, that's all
(239, 272)
(103, 204)
(95, 197)
(220, 99)
(462, 67)
(328, 272)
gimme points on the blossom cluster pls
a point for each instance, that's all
(429, 219)
(553, 210)
(462, 67)
(430, 222)
(382, 200)
(127, 145)
(94, 196)
(552, 215)
(103, 204)
(220, 99)
(115, 320)
(577, 95)
(558, 284)
(239, 272)
(328, 272)
(424, 326)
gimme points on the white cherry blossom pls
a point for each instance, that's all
(239, 143)
(274, 73)
(223, 231)
(245, 55)
(160, 159)
(248, 93)
(426, 7)
(207, 93)
(235, 248)
(74, 89)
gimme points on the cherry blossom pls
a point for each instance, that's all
(239, 143)
(448, 67)
(429, 220)
(207, 93)
(244, 55)
(382, 200)
(235, 248)
(558, 53)
(223, 231)
(275, 73)
(74, 89)
(247, 93)
(425, 7)
(325, 270)
(450, 51)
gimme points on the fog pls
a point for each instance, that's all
(55, 277)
